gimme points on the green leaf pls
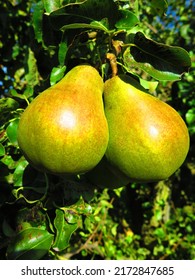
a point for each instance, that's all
(37, 16)
(29, 244)
(160, 61)
(128, 20)
(28, 92)
(11, 131)
(18, 194)
(159, 6)
(190, 119)
(78, 208)
(85, 12)
(32, 217)
(64, 230)
(101, 25)
(63, 47)
(51, 5)
(8, 161)
(2, 150)
(93, 25)
(32, 77)
(57, 74)
(149, 85)
(7, 106)
(190, 116)
(18, 173)
(14, 93)
(160, 233)
(75, 26)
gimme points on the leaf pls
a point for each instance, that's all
(29, 244)
(149, 85)
(78, 208)
(2, 150)
(159, 6)
(101, 25)
(37, 17)
(8, 161)
(55, 8)
(7, 106)
(51, 5)
(32, 77)
(128, 20)
(63, 47)
(18, 173)
(190, 116)
(85, 12)
(57, 74)
(93, 25)
(32, 217)
(14, 93)
(28, 92)
(19, 195)
(159, 232)
(11, 131)
(64, 231)
(160, 61)
(190, 119)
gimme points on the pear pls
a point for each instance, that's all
(64, 129)
(148, 139)
(105, 175)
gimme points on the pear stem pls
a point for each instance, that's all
(113, 63)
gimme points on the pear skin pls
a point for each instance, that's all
(64, 129)
(148, 139)
(104, 175)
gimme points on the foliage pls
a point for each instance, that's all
(45, 216)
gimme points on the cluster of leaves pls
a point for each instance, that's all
(44, 216)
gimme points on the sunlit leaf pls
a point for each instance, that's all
(2, 150)
(93, 25)
(11, 131)
(160, 233)
(190, 116)
(14, 93)
(32, 77)
(8, 161)
(64, 230)
(29, 244)
(18, 173)
(18, 194)
(51, 6)
(7, 106)
(28, 92)
(57, 74)
(78, 208)
(149, 85)
(190, 119)
(128, 20)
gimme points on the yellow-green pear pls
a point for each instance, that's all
(105, 175)
(64, 129)
(148, 139)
